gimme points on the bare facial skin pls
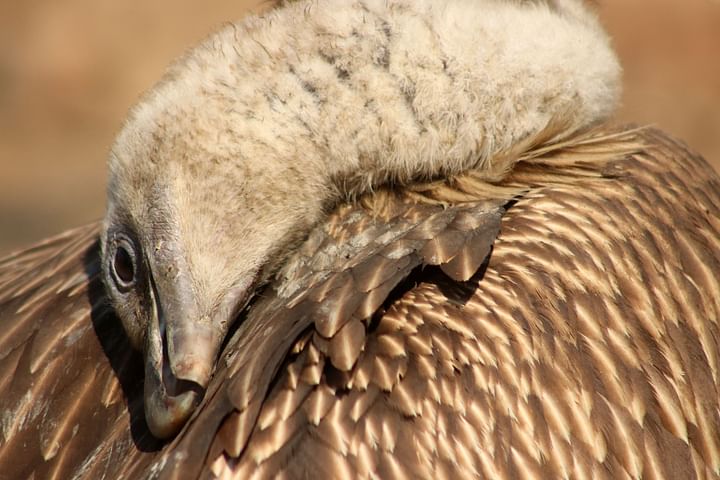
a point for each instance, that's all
(226, 164)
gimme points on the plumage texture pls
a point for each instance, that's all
(584, 346)
(226, 165)
(327, 99)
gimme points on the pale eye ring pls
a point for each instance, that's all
(123, 266)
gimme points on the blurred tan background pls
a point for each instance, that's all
(70, 69)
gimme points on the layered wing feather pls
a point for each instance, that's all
(586, 347)
(408, 338)
(70, 386)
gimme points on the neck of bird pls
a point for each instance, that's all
(420, 90)
(417, 90)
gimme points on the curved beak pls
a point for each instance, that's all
(169, 400)
(177, 372)
(181, 347)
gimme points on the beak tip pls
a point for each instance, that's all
(166, 415)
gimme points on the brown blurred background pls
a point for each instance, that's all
(70, 69)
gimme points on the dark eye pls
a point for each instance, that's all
(123, 265)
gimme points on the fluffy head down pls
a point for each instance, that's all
(231, 159)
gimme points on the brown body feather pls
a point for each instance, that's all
(393, 344)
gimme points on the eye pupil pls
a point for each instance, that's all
(123, 266)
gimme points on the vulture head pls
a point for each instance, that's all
(187, 233)
(232, 158)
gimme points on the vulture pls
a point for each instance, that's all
(226, 165)
(377, 240)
